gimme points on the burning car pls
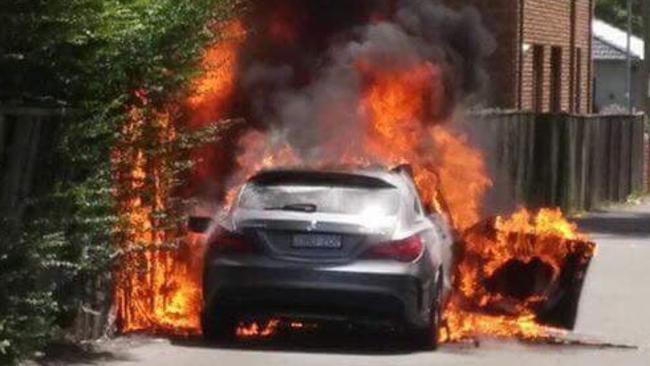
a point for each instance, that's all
(304, 80)
(352, 245)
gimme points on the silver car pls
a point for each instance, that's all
(350, 245)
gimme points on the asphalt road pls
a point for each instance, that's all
(615, 309)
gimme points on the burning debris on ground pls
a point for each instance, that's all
(360, 83)
(518, 276)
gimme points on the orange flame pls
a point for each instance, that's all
(257, 330)
(463, 177)
(158, 286)
(546, 237)
(212, 90)
(394, 108)
(155, 286)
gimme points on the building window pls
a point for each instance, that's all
(578, 89)
(556, 80)
(538, 78)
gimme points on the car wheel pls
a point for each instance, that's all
(218, 326)
(427, 338)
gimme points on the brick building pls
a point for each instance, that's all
(543, 60)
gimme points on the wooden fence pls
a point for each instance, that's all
(573, 162)
(25, 138)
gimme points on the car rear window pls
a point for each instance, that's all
(345, 197)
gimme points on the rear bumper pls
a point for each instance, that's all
(350, 294)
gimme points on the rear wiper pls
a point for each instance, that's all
(301, 207)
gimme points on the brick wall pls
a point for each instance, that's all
(584, 16)
(550, 23)
(547, 23)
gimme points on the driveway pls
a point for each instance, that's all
(615, 312)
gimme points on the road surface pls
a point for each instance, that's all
(615, 309)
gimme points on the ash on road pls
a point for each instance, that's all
(614, 309)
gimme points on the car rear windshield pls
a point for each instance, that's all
(330, 195)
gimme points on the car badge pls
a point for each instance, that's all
(312, 225)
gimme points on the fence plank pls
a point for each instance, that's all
(594, 176)
(584, 157)
(637, 154)
(623, 171)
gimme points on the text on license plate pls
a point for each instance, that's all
(316, 241)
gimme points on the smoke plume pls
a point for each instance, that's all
(307, 63)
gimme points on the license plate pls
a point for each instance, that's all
(316, 241)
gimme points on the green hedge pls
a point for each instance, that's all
(89, 55)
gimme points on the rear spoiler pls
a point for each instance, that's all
(304, 177)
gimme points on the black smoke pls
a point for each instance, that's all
(298, 73)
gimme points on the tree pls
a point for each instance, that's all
(615, 12)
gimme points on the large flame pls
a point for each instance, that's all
(155, 286)
(402, 118)
(212, 90)
(396, 111)
(158, 284)
(540, 247)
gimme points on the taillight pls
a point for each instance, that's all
(230, 243)
(405, 250)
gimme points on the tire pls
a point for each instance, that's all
(427, 338)
(218, 326)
